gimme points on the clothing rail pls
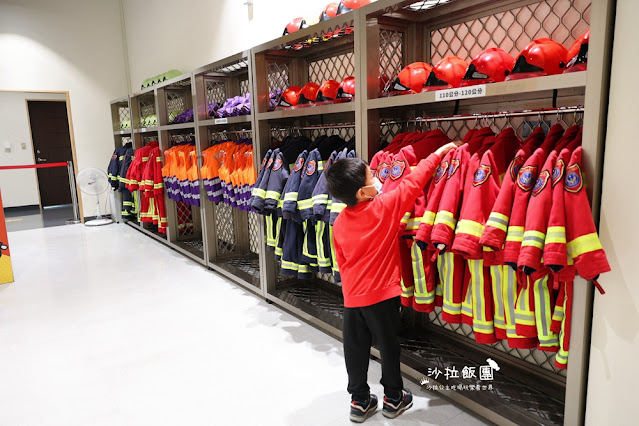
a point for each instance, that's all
(320, 127)
(524, 113)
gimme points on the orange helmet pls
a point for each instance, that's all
(541, 57)
(490, 66)
(577, 59)
(295, 25)
(291, 96)
(330, 11)
(309, 93)
(412, 77)
(446, 74)
(348, 5)
(328, 91)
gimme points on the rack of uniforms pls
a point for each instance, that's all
(228, 171)
(291, 193)
(118, 166)
(500, 231)
(180, 173)
(145, 174)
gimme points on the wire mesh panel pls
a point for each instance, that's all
(147, 106)
(124, 117)
(225, 228)
(561, 20)
(392, 48)
(175, 104)
(244, 86)
(455, 130)
(184, 220)
(278, 76)
(254, 238)
(332, 68)
(215, 92)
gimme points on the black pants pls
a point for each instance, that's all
(381, 322)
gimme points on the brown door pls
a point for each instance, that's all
(51, 144)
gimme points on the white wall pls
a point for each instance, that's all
(614, 374)
(170, 35)
(19, 187)
(68, 45)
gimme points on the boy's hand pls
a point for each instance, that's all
(443, 150)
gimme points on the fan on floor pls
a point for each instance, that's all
(94, 181)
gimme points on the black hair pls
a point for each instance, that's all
(344, 178)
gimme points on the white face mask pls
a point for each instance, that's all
(378, 187)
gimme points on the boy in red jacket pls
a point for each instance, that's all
(365, 236)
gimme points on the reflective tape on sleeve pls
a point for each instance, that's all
(534, 239)
(446, 218)
(584, 244)
(556, 234)
(515, 233)
(498, 220)
(470, 227)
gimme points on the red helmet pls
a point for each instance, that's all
(412, 77)
(348, 5)
(328, 91)
(330, 11)
(541, 57)
(291, 96)
(295, 25)
(447, 73)
(309, 93)
(577, 58)
(490, 66)
(347, 88)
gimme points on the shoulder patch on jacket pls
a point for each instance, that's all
(277, 164)
(481, 175)
(397, 170)
(454, 165)
(263, 163)
(310, 167)
(574, 180)
(558, 172)
(515, 165)
(441, 171)
(270, 163)
(542, 180)
(526, 179)
(298, 164)
(383, 172)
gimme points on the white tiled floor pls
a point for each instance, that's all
(107, 327)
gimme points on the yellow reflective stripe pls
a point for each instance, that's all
(320, 198)
(337, 207)
(290, 265)
(534, 239)
(290, 196)
(446, 218)
(556, 234)
(470, 227)
(257, 192)
(274, 195)
(429, 218)
(305, 204)
(584, 244)
(413, 223)
(498, 220)
(405, 218)
(515, 233)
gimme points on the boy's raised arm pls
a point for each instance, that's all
(403, 197)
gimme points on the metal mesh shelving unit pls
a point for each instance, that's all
(324, 51)
(174, 97)
(399, 33)
(233, 237)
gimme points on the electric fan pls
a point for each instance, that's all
(93, 181)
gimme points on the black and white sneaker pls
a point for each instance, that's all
(393, 408)
(360, 411)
